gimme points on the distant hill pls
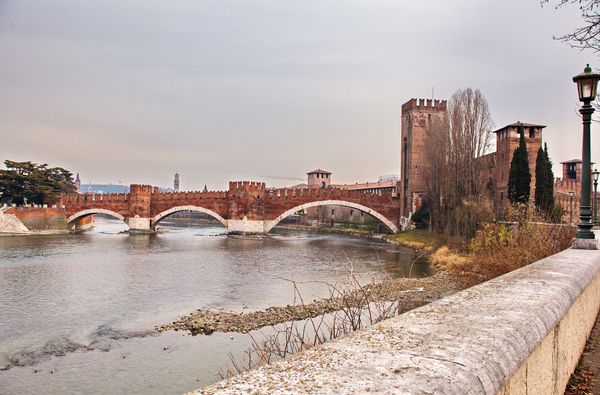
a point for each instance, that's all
(104, 188)
(111, 188)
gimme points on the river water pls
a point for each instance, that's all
(77, 311)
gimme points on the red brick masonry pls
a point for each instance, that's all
(244, 199)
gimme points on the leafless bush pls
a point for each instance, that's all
(357, 305)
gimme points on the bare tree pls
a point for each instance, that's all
(588, 35)
(455, 152)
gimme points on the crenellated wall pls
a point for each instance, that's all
(246, 206)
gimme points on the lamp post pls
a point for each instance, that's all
(571, 193)
(595, 174)
(587, 83)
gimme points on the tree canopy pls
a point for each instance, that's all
(29, 182)
(519, 178)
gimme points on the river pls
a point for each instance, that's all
(77, 311)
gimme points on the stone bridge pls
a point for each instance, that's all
(247, 207)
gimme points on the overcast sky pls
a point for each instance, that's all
(134, 91)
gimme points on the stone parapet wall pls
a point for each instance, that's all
(521, 333)
(41, 218)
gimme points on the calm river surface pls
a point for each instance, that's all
(77, 311)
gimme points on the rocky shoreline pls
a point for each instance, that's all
(408, 292)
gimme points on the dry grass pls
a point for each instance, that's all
(499, 248)
(446, 259)
(416, 238)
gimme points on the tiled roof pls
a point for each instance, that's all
(318, 171)
(517, 124)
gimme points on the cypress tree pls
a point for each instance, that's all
(519, 178)
(540, 180)
(549, 180)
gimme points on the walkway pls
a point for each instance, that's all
(586, 379)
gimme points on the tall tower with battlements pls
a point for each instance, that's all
(176, 183)
(418, 115)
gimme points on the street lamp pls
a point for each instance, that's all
(587, 83)
(571, 193)
(595, 174)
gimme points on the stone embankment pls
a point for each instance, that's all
(522, 332)
(10, 224)
(409, 293)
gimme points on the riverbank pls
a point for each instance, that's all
(37, 233)
(343, 230)
(409, 293)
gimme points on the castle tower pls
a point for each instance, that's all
(176, 183)
(418, 115)
(507, 141)
(319, 178)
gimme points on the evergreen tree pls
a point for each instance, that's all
(27, 181)
(544, 181)
(549, 180)
(519, 178)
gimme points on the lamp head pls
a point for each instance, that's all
(587, 83)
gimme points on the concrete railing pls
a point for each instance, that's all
(521, 333)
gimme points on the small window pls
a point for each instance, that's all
(531, 133)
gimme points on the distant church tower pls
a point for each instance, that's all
(176, 183)
(78, 183)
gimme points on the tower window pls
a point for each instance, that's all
(531, 133)
(571, 171)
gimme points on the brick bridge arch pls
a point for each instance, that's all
(391, 226)
(160, 216)
(84, 213)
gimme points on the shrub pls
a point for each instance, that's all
(500, 248)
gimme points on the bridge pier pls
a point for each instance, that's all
(139, 225)
(246, 226)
